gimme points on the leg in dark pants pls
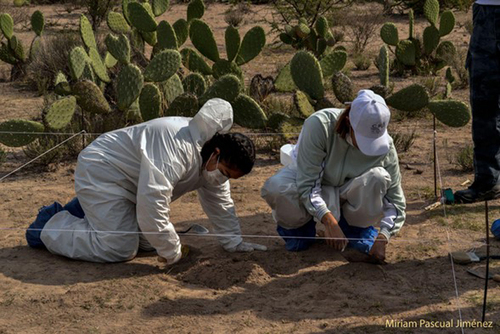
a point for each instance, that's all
(484, 68)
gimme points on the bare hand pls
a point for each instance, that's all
(332, 230)
(378, 249)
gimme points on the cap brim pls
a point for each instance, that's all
(373, 147)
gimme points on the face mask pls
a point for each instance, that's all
(214, 177)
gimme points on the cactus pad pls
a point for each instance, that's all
(17, 47)
(342, 87)
(60, 113)
(233, 42)
(307, 75)
(6, 55)
(63, 89)
(110, 61)
(140, 17)
(78, 59)
(90, 98)
(60, 77)
(181, 29)
(431, 39)
(431, 11)
(36, 44)
(275, 119)
(171, 88)
(37, 22)
(163, 66)
(449, 76)
(384, 66)
(129, 86)
(117, 23)
(450, 112)
(405, 52)
(322, 26)
(87, 33)
(290, 128)
(166, 36)
(285, 38)
(227, 88)
(203, 39)
(302, 104)
(223, 67)
(195, 10)
(333, 62)
(389, 34)
(99, 69)
(445, 50)
(411, 98)
(7, 25)
(19, 125)
(411, 19)
(185, 105)
(252, 44)
(119, 47)
(194, 62)
(284, 81)
(248, 113)
(149, 37)
(323, 104)
(194, 84)
(160, 6)
(150, 102)
(380, 90)
(447, 23)
(302, 30)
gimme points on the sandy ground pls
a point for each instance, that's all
(212, 291)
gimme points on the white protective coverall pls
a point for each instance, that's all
(125, 181)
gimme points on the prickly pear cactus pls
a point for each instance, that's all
(342, 87)
(7, 25)
(97, 64)
(117, 23)
(307, 74)
(78, 59)
(284, 81)
(181, 29)
(411, 98)
(405, 52)
(195, 84)
(129, 86)
(87, 33)
(223, 67)
(389, 34)
(163, 66)
(90, 98)
(333, 62)
(447, 23)
(383, 66)
(450, 112)
(59, 113)
(431, 11)
(19, 125)
(185, 105)
(431, 39)
(195, 10)
(248, 113)
(118, 47)
(37, 22)
(233, 42)
(171, 88)
(194, 62)
(227, 88)
(166, 36)
(160, 6)
(302, 104)
(140, 17)
(150, 102)
(203, 39)
(251, 46)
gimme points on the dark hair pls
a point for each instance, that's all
(343, 125)
(236, 150)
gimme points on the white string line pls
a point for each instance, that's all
(41, 155)
(449, 241)
(98, 134)
(264, 236)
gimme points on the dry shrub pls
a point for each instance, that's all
(364, 25)
(52, 57)
(361, 62)
(403, 141)
(464, 158)
(234, 17)
(457, 62)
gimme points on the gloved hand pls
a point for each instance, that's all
(184, 253)
(245, 247)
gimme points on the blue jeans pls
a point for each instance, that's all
(362, 238)
(44, 214)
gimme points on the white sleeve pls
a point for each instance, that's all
(387, 222)
(154, 194)
(219, 207)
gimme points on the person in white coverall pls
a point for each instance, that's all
(126, 179)
(344, 173)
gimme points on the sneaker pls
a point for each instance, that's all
(475, 194)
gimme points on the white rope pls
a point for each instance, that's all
(449, 242)
(41, 155)
(98, 134)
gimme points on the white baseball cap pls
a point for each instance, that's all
(369, 117)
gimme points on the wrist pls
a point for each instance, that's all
(329, 219)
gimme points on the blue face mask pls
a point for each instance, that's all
(214, 177)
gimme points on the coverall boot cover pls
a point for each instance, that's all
(125, 181)
(484, 71)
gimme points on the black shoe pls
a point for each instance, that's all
(473, 194)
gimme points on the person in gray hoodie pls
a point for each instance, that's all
(343, 172)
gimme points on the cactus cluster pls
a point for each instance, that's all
(316, 38)
(426, 56)
(148, 91)
(12, 50)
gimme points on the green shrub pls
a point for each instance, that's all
(361, 62)
(464, 158)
